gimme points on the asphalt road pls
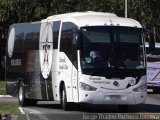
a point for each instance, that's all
(52, 111)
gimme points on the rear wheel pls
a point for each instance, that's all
(21, 95)
(23, 101)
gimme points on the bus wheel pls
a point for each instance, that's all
(65, 105)
(21, 95)
(123, 108)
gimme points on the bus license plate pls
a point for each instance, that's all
(115, 97)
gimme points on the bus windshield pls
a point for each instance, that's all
(112, 48)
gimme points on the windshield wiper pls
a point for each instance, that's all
(102, 71)
(97, 71)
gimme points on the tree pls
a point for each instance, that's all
(146, 12)
(24, 9)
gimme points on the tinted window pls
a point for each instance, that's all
(118, 47)
(67, 43)
(56, 26)
(19, 38)
(66, 37)
(31, 32)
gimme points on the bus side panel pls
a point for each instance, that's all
(55, 74)
(65, 69)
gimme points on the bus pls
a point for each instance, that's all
(75, 58)
(153, 67)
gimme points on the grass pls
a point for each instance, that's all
(9, 109)
(2, 87)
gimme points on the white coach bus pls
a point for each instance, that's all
(81, 57)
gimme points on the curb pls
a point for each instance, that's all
(5, 96)
(21, 110)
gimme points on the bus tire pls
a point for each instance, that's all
(65, 105)
(23, 101)
(21, 95)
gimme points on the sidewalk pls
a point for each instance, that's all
(8, 99)
(5, 96)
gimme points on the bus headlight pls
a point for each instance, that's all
(142, 88)
(86, 87)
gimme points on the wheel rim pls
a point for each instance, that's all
(20, 94)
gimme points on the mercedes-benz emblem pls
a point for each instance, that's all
(115, 83)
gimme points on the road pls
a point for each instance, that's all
(50, 110)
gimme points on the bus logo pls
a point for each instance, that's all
(46, 46)
(115, 83)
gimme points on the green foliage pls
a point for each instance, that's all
(40, 12)
(9, 108)
(16, 11)
(2, 87)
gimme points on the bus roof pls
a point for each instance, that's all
(78, 14)
(91, 18)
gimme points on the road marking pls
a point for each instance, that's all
(32, 111)
(5, 96)
(27, 117)
(21, 110)
(38, 113)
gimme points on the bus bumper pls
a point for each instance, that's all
(126, 98)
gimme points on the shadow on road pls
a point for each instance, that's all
(108, 108)
(149, 106)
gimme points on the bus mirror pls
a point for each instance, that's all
(76, 40)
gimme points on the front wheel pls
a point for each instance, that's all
(65, 105)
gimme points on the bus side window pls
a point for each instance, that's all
(56, 27)
(67, 42)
